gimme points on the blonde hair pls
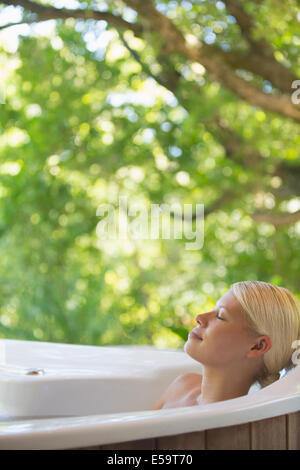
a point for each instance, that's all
(273, 311)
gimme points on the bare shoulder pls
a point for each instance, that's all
(178, 388)
(185, 380)
(190, 377)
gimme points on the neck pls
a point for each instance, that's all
(221, 384)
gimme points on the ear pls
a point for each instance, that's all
(260, 347)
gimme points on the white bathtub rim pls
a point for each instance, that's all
(72, 432)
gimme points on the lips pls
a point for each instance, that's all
(194, 333)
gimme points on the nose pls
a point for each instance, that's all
(202, 318)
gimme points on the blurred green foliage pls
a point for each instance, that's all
(80, 127)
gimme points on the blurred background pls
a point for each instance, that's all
(188, 102)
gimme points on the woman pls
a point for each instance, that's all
(247, 337)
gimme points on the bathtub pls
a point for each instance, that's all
(62, 396)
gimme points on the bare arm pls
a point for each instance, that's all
(158, 404)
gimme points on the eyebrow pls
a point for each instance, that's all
(223, 306)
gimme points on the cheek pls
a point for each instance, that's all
(231, 342)
(222, 344)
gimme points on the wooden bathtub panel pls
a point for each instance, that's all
(229, 438)
(293, 431)
(278, 433)
(141, 444)
(187, 441)
(88, 448)
(269, 434)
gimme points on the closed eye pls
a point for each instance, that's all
(220, 318)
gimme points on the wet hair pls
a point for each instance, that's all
(273, 311)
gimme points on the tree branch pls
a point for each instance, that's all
(218, 69)
(17, 24)
(265, 67)
(45, 13)
(245, 22)
(250, 157)
(260, 60)
(174, 41)
(277, 219)
(235, 149)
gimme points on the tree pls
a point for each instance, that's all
(225, 134)
(257, 70)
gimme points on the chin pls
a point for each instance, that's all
(190, 350)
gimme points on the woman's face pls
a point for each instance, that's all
(221, 336)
